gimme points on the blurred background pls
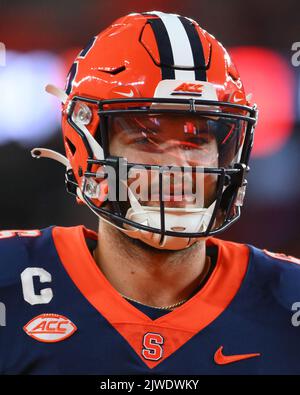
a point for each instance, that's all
(42, 38)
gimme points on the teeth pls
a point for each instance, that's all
(189, 198)
(178, 196)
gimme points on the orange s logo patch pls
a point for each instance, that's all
(152, 346)
(50, 328)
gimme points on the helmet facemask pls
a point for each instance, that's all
(171, 175)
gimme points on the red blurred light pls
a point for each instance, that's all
(270, 78)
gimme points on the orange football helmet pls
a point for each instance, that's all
(151, 92)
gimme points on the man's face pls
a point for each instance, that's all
(168, 140)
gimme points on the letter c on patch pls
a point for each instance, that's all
(29, 294)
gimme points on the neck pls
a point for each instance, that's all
(148, 275)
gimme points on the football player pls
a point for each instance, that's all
(158, 131)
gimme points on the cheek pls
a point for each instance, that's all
(118, 149)
(210, 186)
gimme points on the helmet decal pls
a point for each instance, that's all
(85, 50)
(71, 76)
(180, 49)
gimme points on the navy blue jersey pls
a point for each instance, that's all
(60, 315)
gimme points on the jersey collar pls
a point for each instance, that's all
(179, 325)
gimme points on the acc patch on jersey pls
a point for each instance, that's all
(50, 328)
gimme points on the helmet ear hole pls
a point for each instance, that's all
(70, 146)
(227, 197)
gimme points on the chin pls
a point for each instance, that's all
(146, 247)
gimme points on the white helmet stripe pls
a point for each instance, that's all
(180, 43)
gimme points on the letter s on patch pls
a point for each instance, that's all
(153, 346)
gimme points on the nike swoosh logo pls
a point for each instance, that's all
(237, 99)
(130, 94)
(221, 359)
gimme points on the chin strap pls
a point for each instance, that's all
(186, 220)
(38, 153)
(176, 219)
(71, 184)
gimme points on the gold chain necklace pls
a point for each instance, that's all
(172, 306)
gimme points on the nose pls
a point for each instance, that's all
(171, 155)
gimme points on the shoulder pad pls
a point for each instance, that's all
(18, 249)
(279, 275)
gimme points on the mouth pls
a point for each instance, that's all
(170, 197)
(170, 201)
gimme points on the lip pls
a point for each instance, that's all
(169, 204)
(172, 189)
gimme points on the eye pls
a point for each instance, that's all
(187, 146)
(141, 137)
(194, 144)
(146, 136)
